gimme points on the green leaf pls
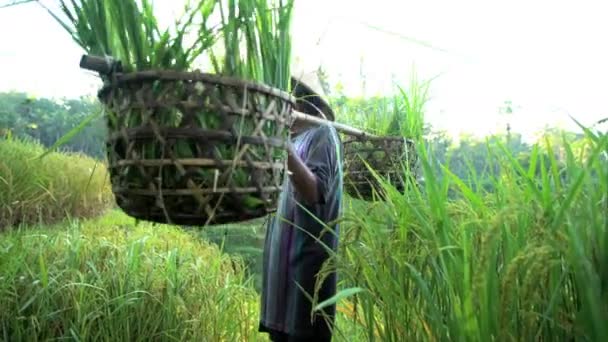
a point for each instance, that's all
(338, 296)
(69, 135)
(44, 274)
(252, 202)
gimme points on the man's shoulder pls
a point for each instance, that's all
(326, 132)
(328, 128)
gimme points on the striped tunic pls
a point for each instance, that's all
(292, 257)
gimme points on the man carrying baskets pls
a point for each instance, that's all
(303, 227)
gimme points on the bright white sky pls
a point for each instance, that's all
(549, 57)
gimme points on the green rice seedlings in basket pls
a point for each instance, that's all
(255, 45)
(127, 31)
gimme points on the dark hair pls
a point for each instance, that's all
(309, 102)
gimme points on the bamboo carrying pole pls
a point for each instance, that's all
(338, 126)
(344, 128)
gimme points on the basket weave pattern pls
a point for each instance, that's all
(193, 148)
(389, 157)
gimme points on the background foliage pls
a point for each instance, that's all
(47, 120)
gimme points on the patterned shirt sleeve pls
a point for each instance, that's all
(322, 160)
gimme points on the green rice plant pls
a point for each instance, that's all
(374, 114)
(127, 30)
(34, 190)
(256, 41)
(408, 120)
(274, 41)
(107, 280)
(522, 262)
(256, 46)
(401, 114)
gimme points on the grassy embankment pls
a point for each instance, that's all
(45, 190)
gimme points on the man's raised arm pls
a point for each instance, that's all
(311, 177)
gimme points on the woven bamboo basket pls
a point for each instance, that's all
(389, 157)
(190, 148)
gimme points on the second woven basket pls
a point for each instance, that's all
(390, 157)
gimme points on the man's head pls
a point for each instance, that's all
(307, 90)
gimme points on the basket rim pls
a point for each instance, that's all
(118, 79)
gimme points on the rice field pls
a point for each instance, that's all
(107, 279)
(525, 261)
